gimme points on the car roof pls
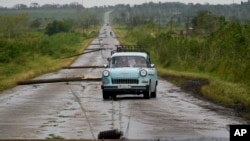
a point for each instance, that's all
(143, 54)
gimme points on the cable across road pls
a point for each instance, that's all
(84, 111)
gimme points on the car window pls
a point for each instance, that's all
(128, 61)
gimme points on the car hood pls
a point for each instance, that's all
(123, 73)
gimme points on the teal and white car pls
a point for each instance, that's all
(129, 73)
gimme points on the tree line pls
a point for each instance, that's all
(35, 5)
(212, 43)
(163, 14)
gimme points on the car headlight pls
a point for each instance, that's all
(143, 73)
(105, 73)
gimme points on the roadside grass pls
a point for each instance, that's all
(122, 33)
(35, 64)
(234, 95)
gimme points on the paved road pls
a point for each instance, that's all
(76, 110)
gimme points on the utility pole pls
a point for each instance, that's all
(159, 21)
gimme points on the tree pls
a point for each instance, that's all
(20, 6)
(34, 5)
(58, 26)
(36, 23)
(207, 22)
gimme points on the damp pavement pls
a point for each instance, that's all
(76, 110)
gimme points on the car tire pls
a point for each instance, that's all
(147, 94)
(105, 95)
(154, 94)
(114, 96)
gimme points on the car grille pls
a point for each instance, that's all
(125, 81)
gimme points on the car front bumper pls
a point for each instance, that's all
(125, 89)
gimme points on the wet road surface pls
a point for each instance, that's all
(76, 110)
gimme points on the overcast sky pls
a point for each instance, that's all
(91, 3)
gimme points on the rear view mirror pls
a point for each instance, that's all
(152, 65)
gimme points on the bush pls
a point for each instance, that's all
(223, 53)
(58, 26)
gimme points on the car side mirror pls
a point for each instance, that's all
(152, 65)
(108, 59)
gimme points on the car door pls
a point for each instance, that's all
(152, 74)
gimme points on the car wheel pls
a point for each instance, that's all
(147, 94)
(114, 96)
(154, 94)
(105, 95)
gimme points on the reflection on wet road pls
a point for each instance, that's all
(76, 110)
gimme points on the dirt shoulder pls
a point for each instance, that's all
(194, 86)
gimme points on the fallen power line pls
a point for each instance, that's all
(82, 67)
(55, 80)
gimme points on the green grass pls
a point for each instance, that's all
(228, 94)
(45, 13)
(234, 95)
(40, 54)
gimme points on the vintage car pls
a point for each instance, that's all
(129, 73)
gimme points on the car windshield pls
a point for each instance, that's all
(128, 61)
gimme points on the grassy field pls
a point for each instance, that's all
(42, 56)
(233, 94)
(45, 13)
(36, 41)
